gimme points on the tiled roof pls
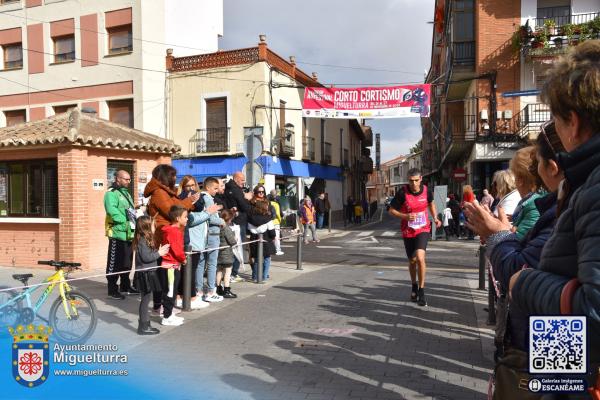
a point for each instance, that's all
(75, 127)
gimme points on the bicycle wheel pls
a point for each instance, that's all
(9, 315)
(78, 328)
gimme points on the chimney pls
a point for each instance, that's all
(262, 47)
(169, 59)
(293, 62)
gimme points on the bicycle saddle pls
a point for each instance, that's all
(22, 277)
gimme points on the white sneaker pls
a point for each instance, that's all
(179, 303)
(279, 253)
(213, 298)
(172, 321)
(177, 317)
(197, 304)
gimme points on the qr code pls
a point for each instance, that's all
(557, 345)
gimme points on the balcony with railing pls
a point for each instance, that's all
(530, 118)
(326, 158)
(286, 143)
(308, 149)
(210, 140)
(551, 36)
(463, 54)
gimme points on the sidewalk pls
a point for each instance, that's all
(119, 318)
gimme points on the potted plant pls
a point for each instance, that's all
(520, 37)
(558, 42)
(594, 25)
(550, 26)
(567, 30)
(540, 38)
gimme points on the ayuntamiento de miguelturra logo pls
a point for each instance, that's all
(30, 354)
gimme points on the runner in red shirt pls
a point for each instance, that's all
(410, 205)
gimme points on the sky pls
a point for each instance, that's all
(390, 35)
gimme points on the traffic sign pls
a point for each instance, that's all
(253, 172)
(459, 175)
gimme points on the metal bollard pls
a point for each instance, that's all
(491, 302)
(261, 259)
(482, 267)
(299, 252)
(187, 280)
(329, 221)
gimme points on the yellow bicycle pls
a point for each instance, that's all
(73, 315)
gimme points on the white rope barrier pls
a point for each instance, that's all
(136, 270)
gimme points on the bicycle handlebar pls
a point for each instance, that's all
(60, 264)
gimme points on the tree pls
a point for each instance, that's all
(417, 147)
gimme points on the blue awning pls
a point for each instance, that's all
(286, 167)
(203, 167)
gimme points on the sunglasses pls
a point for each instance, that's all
(548, 125)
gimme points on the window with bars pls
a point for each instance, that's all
(29, 189)
(15, 117)
(13, 56)
(64, 48)
(120, 40)
(121, 112)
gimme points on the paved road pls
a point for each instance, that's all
(343, 328)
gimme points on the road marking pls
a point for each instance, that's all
(366, 239)
(437, 249)
(376, 248)
(365, 233)
(329, 247)
(289, 246)
(341, 234)
(389, 233)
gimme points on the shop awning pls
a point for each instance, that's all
(202, 167)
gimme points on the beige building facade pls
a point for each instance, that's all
(213, 97)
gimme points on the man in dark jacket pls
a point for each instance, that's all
(238, 201)
(320, 209)
(219, 198)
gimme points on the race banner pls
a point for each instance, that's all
(368, 102)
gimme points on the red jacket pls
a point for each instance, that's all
(174, 236)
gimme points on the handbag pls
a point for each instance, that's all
(566, 308)
(511, 377)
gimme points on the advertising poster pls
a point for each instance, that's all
(367, 102)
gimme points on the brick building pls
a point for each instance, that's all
(488, 62)
(108, 55)
(53, 176)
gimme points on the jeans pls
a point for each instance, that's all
(199, 277)
(211, 263)
(320, 218)
(313, 229)
(277, 240)
(236, 263)
(266, 267)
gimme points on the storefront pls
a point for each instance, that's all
(53, 176)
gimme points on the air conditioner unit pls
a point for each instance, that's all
(483, 115)
(508, 114)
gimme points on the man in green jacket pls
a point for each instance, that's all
(120, 228)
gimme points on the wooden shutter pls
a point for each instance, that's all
(15, 117)
(216, 113)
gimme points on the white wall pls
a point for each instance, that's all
(585, 6)
(334, 189)
(190, 23)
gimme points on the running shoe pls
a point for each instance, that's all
(414, 292)
(172, 321)
(279, 253)
(214, 298)
(421, 300)
(198, 304)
